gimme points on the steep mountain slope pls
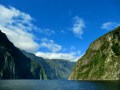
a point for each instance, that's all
(15, 65)
(102, 59)
(55, 69)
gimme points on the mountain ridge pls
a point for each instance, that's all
(14, 64)
(101, 60)
(17, 64)
(54, 68)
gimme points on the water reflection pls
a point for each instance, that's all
(98, 85)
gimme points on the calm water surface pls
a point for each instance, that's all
(58, 85)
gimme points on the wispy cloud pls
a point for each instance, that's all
(47, 32)
(57, 51)
(50, 45)
(78, 26)
(109, 25)
(20, 29)
(66, 56)
(18, 25)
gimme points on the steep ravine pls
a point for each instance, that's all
(17, 64)
(101, 61)
(55, 69)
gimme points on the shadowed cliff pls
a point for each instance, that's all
(15, 65)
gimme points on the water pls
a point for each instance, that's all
(58, 85)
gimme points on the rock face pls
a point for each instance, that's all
(55, 69)
(102, 59)
(15, 65)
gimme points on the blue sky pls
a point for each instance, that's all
(57, 28)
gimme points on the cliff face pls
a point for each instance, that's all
(15, 65)
(55, 69)
(102, 59)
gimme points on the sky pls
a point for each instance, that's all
(57, 29)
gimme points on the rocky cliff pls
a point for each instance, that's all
(15, 65)
(54, 68)
(102, 59)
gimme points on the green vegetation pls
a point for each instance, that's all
(37, 70)
(105, 45)
(54, 69)
(102, 59)
(116, 49)
(15, 65)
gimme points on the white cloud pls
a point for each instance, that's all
(109, 25)
(17, 26)
(50, 45)
(19, 29)
(78, 26)
(47, 32)
(66, 56)
(55, 51)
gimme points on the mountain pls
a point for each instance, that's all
(55, 68)
(15, 65)
(102, 59)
